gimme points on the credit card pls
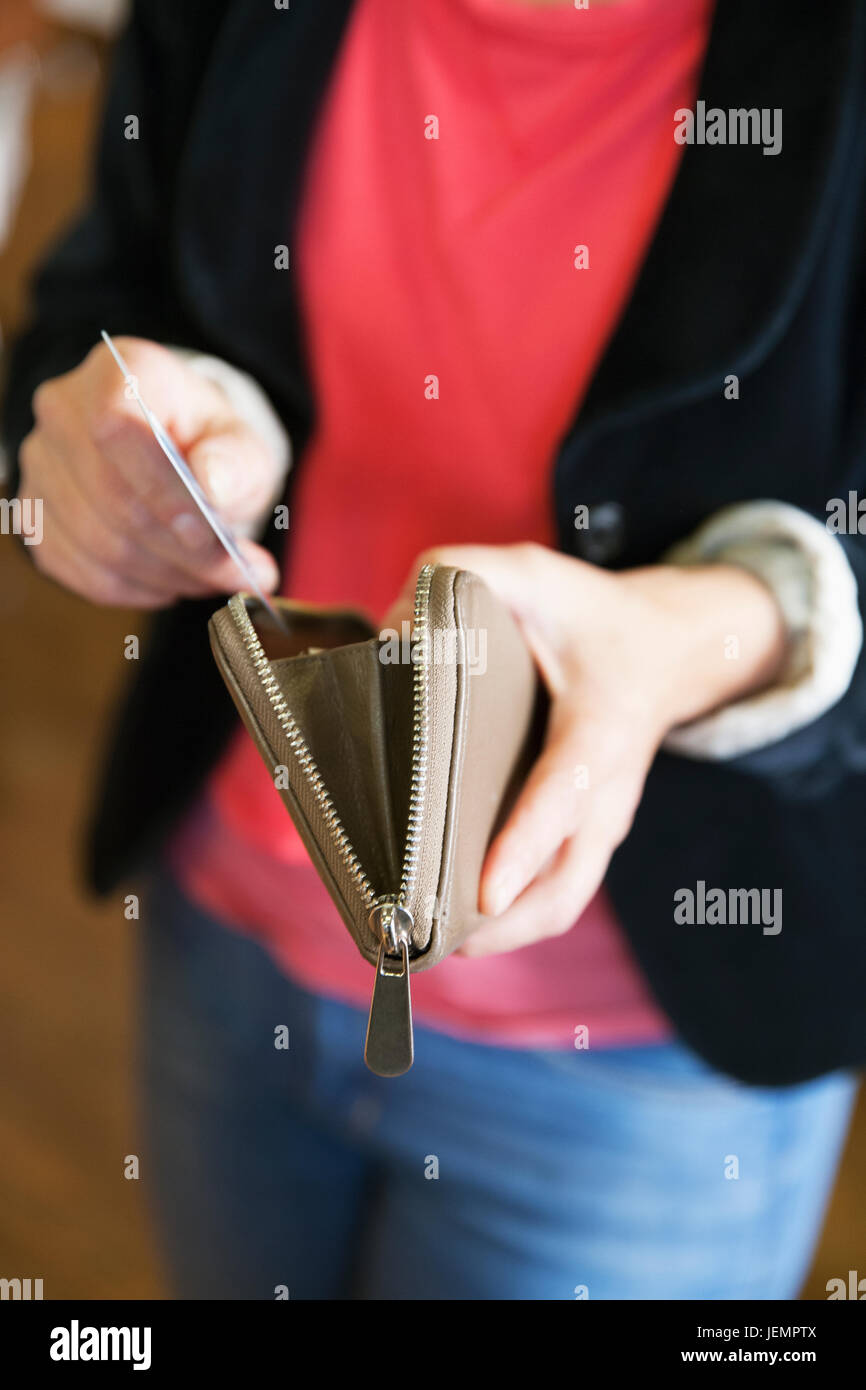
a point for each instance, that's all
(220, 528)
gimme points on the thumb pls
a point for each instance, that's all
(241, 474)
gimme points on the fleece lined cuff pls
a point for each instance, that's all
(807, 570)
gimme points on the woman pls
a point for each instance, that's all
(510, 297)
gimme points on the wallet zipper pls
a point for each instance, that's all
(389, 1048)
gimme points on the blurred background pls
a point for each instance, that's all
(67, 1213)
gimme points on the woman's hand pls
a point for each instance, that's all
(119, 526)
(625, 657)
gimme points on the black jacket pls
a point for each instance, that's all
(757, 269)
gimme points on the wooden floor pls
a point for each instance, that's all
(67, 1214)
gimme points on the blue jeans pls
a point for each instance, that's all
(484, 1173)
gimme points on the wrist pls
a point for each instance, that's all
(722, 632)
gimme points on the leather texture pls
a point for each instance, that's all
(355, 709)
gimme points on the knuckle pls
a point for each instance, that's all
(107, 423)
(28, 450)
(42, 560)
(105, 588)
(529, 551)
(100, 360)
(95, 357)
(119, 507)
(432, 556)
(132, 348)
(562, 918)
(623, 823)
(121, 549)
(48, 562)
(46, 402)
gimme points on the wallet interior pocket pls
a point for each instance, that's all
(355, 714)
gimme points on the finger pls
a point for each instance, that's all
(101, 436)
(226, 576)
(239, 472)
(552, 904)
(92, 530)
(504, 568)
(522, 579)
(60, 559)
(63, 443)
(180, 540)
(402, 610)
(127, 449)
(93, 418)
(546, 812)
(144, 584)
(176, 529)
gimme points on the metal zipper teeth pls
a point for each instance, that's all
(309, 767)
(420, 732)
(300, 748)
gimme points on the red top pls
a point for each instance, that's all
(466, 151)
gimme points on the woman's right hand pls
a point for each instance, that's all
(118, 526)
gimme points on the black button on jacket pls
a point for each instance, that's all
(757, 269)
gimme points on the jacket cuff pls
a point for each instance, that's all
(807, 570)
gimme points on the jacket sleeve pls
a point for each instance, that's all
(808, 757)
(112, 269)
(813, 759)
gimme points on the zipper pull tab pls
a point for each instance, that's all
(390, 1047)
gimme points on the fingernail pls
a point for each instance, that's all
(224, 482)
(191, 530)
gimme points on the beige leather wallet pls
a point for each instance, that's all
(397, 758)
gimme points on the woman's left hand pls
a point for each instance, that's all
(625, 657)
